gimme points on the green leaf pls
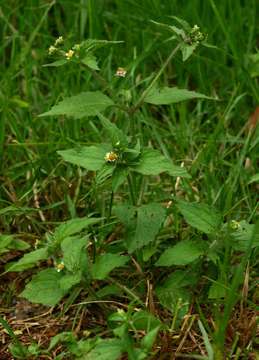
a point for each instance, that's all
(254, 178)
(174, 292)
(148, 340)
(88, 157)
(5, 241)
(72, 227)
(143, 320)
(91, 45)
(56, 63)
(73, 251)
(166, 96)
(142, 228)
(30, 260)
(183, 253)
(116, 135)
(69, 280)
(217, 291)
(200, 216)
(91, 62)
(118, 177)
(242, 235)
(81, 105)
(105, 263)
(44, 288)
(151, 162)
(18, 244)
(108, 349)
(187, 50)
(150, 218)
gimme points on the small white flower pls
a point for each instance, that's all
(121, 72)
(69, 54)
(52, 50)
(59, 41)
(111, 156)
(60, 266)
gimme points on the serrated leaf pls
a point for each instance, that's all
(72, 227)
(44, 288)
(200, 216)
(118, 177)
(81, 105)
(183, 253)
(116, 135)
(151, 162)
(108, 349)
(69, 280)
(166, 96)
(143, 320)
(242, 235)
(91, 45)
(29, 260)
(173, 291)
(217, 291)
(91, 62)
(187, 50)
(73, 251)
(148, 340)
(88, 157)
(105, 263)
(150, 217)
(142, 224)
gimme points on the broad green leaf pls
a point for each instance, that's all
(174, 291)
(91, 62)
(91, 45)
(64, 337)
(69, 280)
(200, 216)
(217, 291)
(72, 227)
(183, 253)
(187, 50)
(18, 244)
(166, 96)
(143, 320)
(44, 288)
(106, 263)
(73, 251)
(148, 340)
(108, 349)
(151, 162)
(242, 235)
(5, 241)
(81, 105)
(142, 224)
(30, 260)
(88, 157)
(118, 177)
(116, 135)
(150, 218)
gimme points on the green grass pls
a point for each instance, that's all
(39, 190)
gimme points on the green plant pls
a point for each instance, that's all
(185, 248)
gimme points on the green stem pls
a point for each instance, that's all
(131, 190)
(149, 88)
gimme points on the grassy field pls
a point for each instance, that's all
(128, 214)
